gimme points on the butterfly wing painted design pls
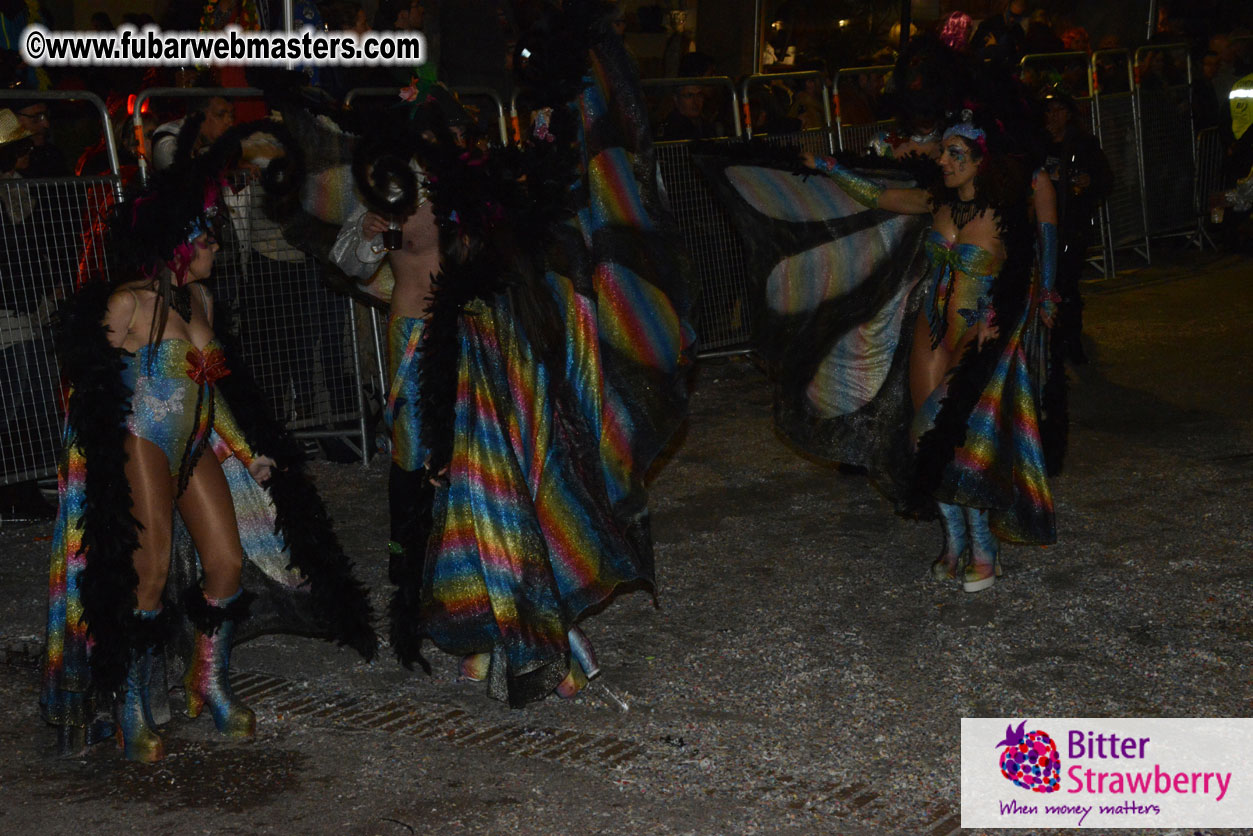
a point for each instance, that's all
(833, 289)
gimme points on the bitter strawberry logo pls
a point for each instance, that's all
(1030, 760)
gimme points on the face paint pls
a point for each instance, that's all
(957, 153)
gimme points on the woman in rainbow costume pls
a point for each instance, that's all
(975, 428)
(151, 436)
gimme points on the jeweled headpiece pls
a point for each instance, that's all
(966, 130)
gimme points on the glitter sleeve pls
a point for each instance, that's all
(228, 430)
(864, 191)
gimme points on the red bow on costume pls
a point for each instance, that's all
(206, 368)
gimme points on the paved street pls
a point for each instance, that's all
(800, 672)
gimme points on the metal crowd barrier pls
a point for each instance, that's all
(45, 227)
(856, 135)
(1163, 97)
(297, 336)
(1117, 127)
(722, 316)
(1210, 155)
(819, 140)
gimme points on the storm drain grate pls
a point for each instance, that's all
(857, 801)
(290, 701)
(453, 725)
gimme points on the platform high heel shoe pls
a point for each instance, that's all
(207, 681)
(137, 733)
(583, 665)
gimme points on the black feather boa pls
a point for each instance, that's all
(96, 415)
(339, 599)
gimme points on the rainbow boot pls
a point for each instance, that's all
(985, 552)
(956, 541)
(207, 680)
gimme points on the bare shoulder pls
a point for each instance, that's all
(120, 313)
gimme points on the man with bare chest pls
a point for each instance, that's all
(359, 251)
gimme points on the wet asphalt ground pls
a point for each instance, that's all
(800, 672)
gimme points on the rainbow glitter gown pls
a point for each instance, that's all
(175, 395)
(553, 372)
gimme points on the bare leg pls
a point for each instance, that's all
(927, 365)
(210, 517)
(152, 492)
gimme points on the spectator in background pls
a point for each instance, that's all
(1075, 39)
(1111, 69)
(679, 43)
(859, 96)
(1208, 110)
(687, 120)
(1082, 180)
(217, 15)
(807, 106)
(718, 105)
(1040, 35)
(46, 160)
(1225, 72)
(1002, 38)
(215, 114)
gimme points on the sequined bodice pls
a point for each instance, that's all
(959, 291)
(971, 259)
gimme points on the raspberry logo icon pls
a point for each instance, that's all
(1030, 759)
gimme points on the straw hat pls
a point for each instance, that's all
(11, 130)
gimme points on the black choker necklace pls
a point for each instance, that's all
(180, 301)
(963, 211)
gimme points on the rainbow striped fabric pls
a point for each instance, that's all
(1001, 464)
(401, 413)
(545, 515)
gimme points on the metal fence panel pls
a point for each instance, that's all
(723, 315)
(296, 334)
(1170, 171)
(1164, 102)
(45, 225)
(857, 138)
(1116, 129)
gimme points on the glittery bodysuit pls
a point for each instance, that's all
(173, 402)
